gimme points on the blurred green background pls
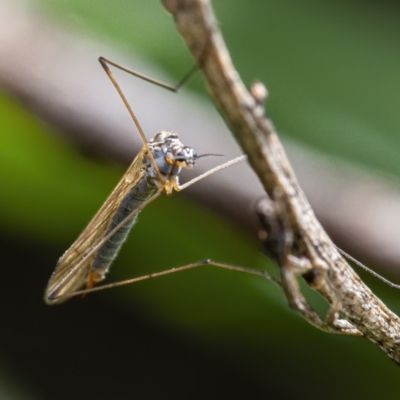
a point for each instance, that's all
(333, 74)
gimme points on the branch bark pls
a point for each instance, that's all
(354, 309)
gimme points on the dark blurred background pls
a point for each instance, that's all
(333, 75)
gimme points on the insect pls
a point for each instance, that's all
(154, 170)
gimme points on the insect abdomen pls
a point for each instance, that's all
(132, 201)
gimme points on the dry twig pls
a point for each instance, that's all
(305, 248)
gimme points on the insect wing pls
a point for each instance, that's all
(72, 270)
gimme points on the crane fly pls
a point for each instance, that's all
(154, 170)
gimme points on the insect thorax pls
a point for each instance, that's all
(170, 155)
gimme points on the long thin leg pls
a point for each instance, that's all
(103, 61)
(212, 171)
(196, 264)
(365, 268)
(172, 88)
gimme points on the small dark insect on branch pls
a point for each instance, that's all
(300, 245)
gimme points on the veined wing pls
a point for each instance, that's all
(73, 268)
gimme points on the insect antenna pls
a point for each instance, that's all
(209, 155)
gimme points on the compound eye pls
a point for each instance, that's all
(189, 152)
(183, 154)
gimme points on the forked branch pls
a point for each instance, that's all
(308, 252)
